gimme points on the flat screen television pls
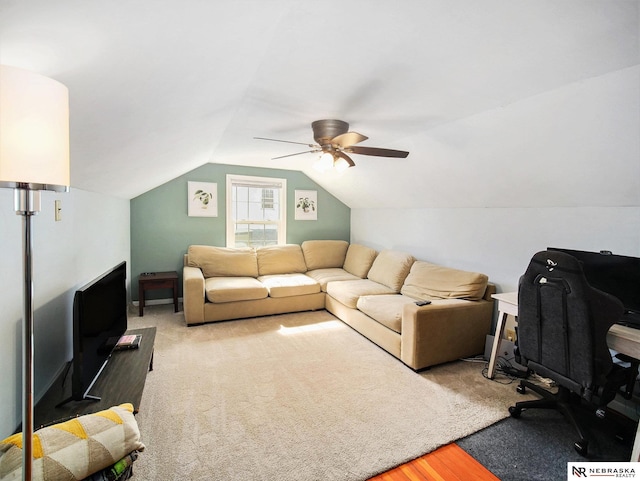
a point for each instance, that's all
(99, 320)
(614, 274)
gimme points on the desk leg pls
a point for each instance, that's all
(635, 454)
(141, 301)
(497, 339)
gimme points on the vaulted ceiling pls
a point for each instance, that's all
(160, 87)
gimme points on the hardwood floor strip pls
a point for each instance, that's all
(448, 463)
(464, 465)
(405, 472)
(429, 470)
(413, 471)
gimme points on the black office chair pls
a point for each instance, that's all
(562, 335)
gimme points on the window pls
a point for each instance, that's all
(267, 198)
(256, 211)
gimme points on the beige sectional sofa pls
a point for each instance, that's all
(373, 292)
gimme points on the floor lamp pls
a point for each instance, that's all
(34, 156)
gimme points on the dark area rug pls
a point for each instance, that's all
(539, 444)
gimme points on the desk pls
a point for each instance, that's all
(507, 304)
(623, 339)
(619, 338)
(157, 280)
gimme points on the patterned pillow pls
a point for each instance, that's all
(75, 449)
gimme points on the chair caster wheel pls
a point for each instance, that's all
(521, 389)
(581, 447)
(515, 411)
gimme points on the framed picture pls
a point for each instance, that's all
(203, 199)
(306, 205)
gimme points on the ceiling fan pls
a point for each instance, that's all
(335, 142)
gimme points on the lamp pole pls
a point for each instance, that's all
(27, 204)
(34, 156)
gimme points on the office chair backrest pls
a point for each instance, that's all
(563, 323)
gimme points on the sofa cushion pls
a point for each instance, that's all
(391, 268)
(287, 285)
(427, 281)
(324, 254)
(387, 310)
(224, 261)
(348, 292)
(280, 259)
(231, 289)
(359, 259)
(324, 276)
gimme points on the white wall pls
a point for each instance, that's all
(92, 237)
(497, 241)
(560, 169)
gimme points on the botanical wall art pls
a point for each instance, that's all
(203, 199)
(306, 205)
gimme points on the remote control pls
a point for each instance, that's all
(422, 303)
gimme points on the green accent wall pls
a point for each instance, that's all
(161, 230)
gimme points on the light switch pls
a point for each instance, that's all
(58, 209)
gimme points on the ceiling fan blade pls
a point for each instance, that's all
(378, 152)
(297, 153)
(285, 141)
(347, 159)
(348, 139)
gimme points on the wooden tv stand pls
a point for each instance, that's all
(121, 381)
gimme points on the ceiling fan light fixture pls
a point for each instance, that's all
(337, 143)
(324, 163)
(341, 164)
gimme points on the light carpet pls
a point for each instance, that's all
(296, 397)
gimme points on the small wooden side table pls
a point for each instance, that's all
(157, 280)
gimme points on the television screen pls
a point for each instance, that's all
(99, 320)
(614, 274)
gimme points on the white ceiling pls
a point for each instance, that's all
(160, 87)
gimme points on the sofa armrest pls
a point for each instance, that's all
(444, 331)
(193, 295)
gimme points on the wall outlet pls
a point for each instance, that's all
(511, 335)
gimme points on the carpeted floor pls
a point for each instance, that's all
(538, 445)
(296, 397)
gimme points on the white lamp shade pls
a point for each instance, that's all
(341, 165)
(324, 163)
(34, 131)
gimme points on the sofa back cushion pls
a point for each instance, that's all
(280, 259)
(359, 259)
(391, 268)
(224, 261)
(324, 254)
(429, 281)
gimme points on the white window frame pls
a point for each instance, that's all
(265, 182)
